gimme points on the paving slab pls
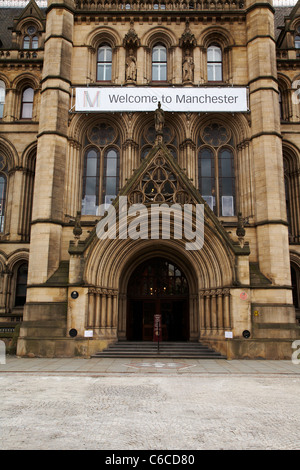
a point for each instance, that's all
(148, 405)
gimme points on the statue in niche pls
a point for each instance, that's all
(131, 66)
(159, 119)
(188, 67)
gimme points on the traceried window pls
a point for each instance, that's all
(159, 184)
(104, 63)
(2, 200)
(158, 278)
(149, 136)
(101, 167)
(3, 191)
(31, 40)
(214, 63)
(216, 169)
(159, 63)
(2, 98)
(27, 103)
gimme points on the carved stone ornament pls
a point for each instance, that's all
(131, 39)
(187, 40)
(77, 231)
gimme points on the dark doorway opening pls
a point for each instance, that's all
(158, 287)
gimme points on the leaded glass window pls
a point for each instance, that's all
(101, 167)
(159, 63)
(31, 40)
(3, 182)
(104, 63)
(214, 63)
(27, 103)
(158, 278)
(2, 98)
(216, 176)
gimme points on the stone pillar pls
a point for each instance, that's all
(269, 203)
(48, 204)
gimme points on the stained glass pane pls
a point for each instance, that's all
(155, 72)
(111, 165)
(206, 169)
(28, 95)
(91, 164)
(111, 188)
(214, 54)
(27, 110)
(26, 42)
(91, 184)
(35, 42)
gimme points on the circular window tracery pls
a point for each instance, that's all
(215, 135)
(102, 134)
(149, 137)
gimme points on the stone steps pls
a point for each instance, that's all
(139, 349)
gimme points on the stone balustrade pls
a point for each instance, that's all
(169, 5)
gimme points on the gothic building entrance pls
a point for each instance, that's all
(158, 286)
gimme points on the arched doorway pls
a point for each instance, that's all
(295, 275)
(158, 286)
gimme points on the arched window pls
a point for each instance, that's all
(297, 38)
(226, 181)
(111, 175)
(207, 176)
(21, 285)
(214, 63)
(3, 183)
(101, 167)
(31, 40)
(27, 103)
(91, 180)
(216, 177)
(104, 63)
(2, 98)
(159, 63)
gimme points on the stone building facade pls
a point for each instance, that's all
(63, 166)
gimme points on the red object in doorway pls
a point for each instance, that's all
(157, 329)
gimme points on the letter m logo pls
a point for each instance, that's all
(91, 99)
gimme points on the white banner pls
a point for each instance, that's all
(200, 99)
